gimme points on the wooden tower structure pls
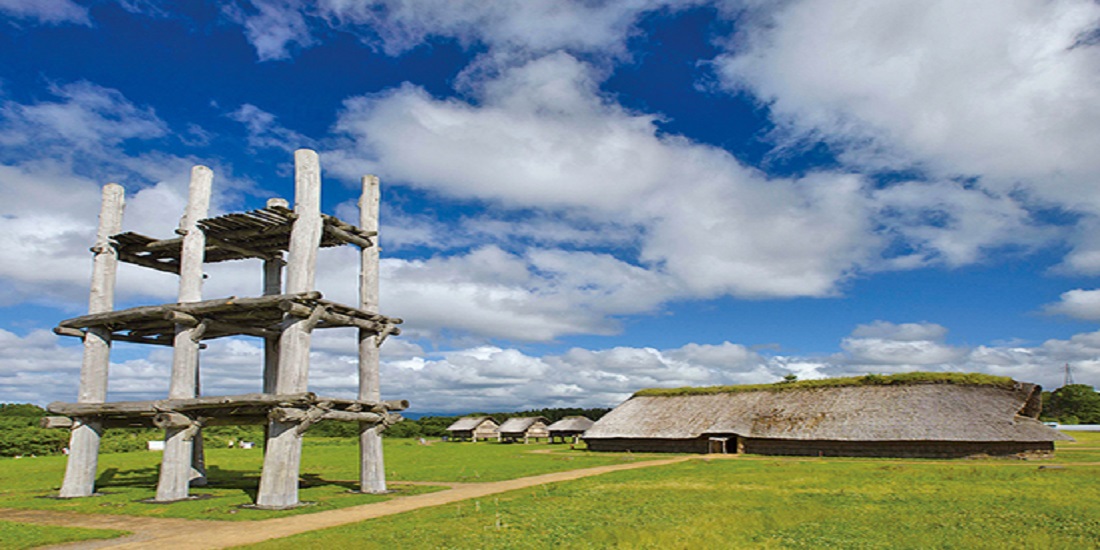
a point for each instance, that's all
(284, 317)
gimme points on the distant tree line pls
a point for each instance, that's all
(1072, 404)
(21, 436)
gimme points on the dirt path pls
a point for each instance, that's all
(180, 534)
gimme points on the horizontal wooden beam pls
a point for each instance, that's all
(179, 405)
(192, 308)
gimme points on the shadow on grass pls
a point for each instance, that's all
(306, 481)
(247, 482)
(147, 478)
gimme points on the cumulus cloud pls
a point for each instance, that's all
(539, 25)
(56, 155)
(950, 223)
(906, 346)
(276, 27)
(52, 12)
(273, 27)
(86, 116)
(540, 295)
(543, 137)
(1005, 94)
(39, 368)
(1078, 304)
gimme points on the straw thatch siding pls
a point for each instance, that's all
(473, 428)
(570, 427)
(915, 420)
(524, 428)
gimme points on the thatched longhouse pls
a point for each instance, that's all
(928, 415)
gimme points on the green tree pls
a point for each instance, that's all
(1075, 400)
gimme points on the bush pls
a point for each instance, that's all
(31, 440)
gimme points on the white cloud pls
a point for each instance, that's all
(151, 8)
(87, 116)
(542, 137)
(535, 25)
(264, 131)
(38, 368)
(908, 346)
(1078, 304)
(904, 332)
(55, 157)
(542, 295)
(1084, 258)
(949, 223)
(506, 27)
(53, 12)
(272, 26)
(1006, 93)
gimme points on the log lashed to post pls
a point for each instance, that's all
(282, 458)
(176, 465)
(372, 470)
(80, 471)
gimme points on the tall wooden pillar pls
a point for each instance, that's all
(80, 471)
(372, 470)
(273, 284)
(175, 468)
(283, 452)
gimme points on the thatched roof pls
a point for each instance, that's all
(468, 423)
(571, 424)
(520, 424)
(957, 378)
(914, 411)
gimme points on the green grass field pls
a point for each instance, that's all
(765, 502)
(743, 501)
(329, 474)
(15, 536)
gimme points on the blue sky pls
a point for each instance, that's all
(580, 199)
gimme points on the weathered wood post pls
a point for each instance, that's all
(283, 453)
(80, 471)
(372, 470)
(273, 285)
(175, 468)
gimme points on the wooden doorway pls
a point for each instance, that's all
(717, 445)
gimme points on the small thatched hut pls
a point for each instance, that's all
(930, 415)
(473, 428)
(570, 427)
(524, 428)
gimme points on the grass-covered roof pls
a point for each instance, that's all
(962, 379)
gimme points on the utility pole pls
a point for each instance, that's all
(1069, 376)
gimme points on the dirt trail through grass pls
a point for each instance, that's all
(180, 534)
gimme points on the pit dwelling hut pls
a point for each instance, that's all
(921, 415)
(570, 427)
(473, 428)
(284, 317)
(524, 428)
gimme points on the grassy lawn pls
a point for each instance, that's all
(749, 501)
(14, 536)
(771, 503)
(329, 473)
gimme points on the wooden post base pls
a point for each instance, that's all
(372, 468)
(282, 461)
(175, 466)
(80, 471)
